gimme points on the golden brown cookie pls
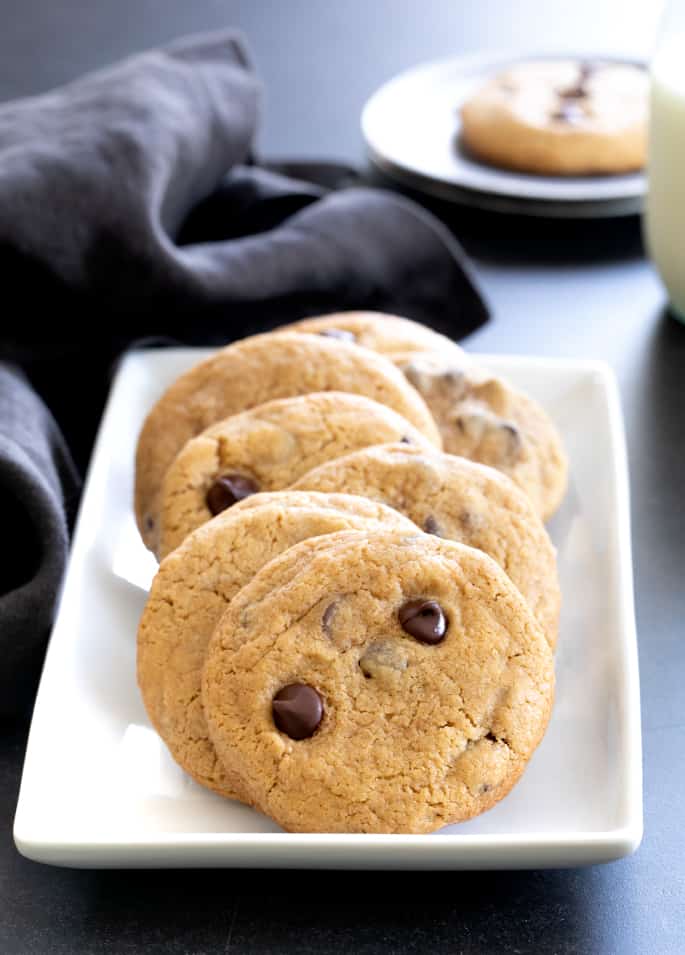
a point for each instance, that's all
(461, 500)
(560, 117)
(483, 418)
(480, 416)
(386, 334)
(266, 449)
(246, 374)
(194, 586)
(387, 683)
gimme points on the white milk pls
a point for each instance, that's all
(665, 218)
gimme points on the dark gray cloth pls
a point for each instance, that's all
(97, 180)
(38, 491)
(131, 206)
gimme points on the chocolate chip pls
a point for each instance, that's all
(381, 657)
(569, 112)
(431, 526)
(405, 439)
(491, 737)
(149, 522)
(228, 489)
(423, 620)
(452, 376)
(513, 436)
(341, 333)
(485, 788)
(297, 710)
(580, 90)
(327, 618)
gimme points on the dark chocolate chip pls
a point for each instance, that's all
(423, 620)
(514, 436)
(405, 439)
(491, 737)
(297, 710)
(569, 112)
(342, 333)
(327, 618)
(580, 90)
(149, 522)
(431, 526)
(228, 489)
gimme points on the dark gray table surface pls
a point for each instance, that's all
(555, 289)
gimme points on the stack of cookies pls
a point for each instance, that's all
(353, 623)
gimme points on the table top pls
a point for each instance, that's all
(582, 290)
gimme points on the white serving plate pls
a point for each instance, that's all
(99, 788)
(411, 126)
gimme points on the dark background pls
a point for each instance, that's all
(555, 288)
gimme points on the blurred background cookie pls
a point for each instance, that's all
(560, 117)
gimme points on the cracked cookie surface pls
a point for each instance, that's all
(192, 589)
(479, 415)
(483, 418)
(461, 500)
(249, 373)
(340, 713)
(268, 448)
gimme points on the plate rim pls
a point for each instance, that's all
(350, 850)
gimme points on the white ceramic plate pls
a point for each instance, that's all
(99, 788)
(411, 127)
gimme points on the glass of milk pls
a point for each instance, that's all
(665, 211)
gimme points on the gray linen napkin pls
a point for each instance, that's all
(38, 491)
(131, 206)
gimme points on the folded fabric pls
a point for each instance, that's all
(38, 491)
(131, 206)
(98, 178)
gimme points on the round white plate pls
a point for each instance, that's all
(411, 126)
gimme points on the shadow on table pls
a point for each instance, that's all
(503, 237)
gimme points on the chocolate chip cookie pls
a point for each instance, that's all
(479, 415)
(391, 682)
(461, 500)
(267, 449)
(249, 373)
(484, 418)
(194, 586)
(386, 334)
(561, 117)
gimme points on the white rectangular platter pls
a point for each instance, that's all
(99, 788)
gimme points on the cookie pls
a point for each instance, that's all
(560, 117)
(267, 449)
(249, 373)
(483, 418)
(383, 683)
(194, 586)
(479, 415)
(459, 500)
(386, 334)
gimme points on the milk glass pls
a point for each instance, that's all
(665, 210)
